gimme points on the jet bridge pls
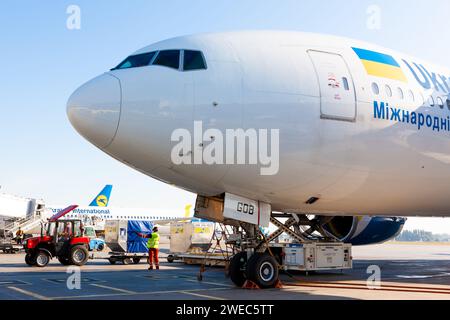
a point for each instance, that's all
(261, 256)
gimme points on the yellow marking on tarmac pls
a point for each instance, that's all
(134, 294)
(202, 295)
(113, 289)
(29, 293)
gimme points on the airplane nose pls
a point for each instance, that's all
(94, 109)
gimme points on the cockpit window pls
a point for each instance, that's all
(168, 58)
(193, 60)
(136, 61)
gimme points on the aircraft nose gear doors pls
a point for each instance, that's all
(337, 91)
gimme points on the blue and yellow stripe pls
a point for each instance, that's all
(380, 65)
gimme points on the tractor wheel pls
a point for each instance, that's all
(136, 260)
(30, 260)
(262, 269)
(42, 259)
(64, 261)
(237, 269)
(112, 261)
(79, 255)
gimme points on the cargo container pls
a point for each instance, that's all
(126, 245)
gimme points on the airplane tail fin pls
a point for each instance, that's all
(187, 211)
(102, 199)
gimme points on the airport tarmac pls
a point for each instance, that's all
(408, 272)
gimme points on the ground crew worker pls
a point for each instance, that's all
(19, 236)
(153, 247)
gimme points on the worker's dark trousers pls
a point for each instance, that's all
(153, 257)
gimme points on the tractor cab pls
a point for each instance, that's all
(64, 233)
(61, 239)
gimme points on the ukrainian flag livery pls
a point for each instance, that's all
(380, 65)
(102, 199)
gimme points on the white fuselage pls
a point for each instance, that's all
(97, 216)
(332, 146)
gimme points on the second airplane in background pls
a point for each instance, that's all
(99, 211)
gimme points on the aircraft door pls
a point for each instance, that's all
(337, 90)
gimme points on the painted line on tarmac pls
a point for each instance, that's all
(134, 294)
(64, 280)
(165, 277)
(212, 283)
(384, 284)
(13, 282)
(186, 278)
(202, 295)
(365, 287)
(29, 293)
(113, 289)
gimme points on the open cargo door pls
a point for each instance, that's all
(62, 213)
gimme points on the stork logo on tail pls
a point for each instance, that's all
(102, 199)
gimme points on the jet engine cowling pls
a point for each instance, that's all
(360, 231)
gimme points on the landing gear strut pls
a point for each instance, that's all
(256, 262)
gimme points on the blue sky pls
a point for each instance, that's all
(43, 62)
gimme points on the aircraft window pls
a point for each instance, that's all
(193, 60)
(440, 103)
(431, 101)
(375, 89)
(136, 61)
(400, 93)
(411, 96)
(422, 100)
(168, 58)
(345, 81)
(388, 91)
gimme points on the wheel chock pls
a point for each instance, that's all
(250, 285)
(278, 284)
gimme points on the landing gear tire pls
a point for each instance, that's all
(64, 261)
(42, 259)
(79, 255)
(136, 260)
(30, 260)
(262, 269)
(237, 269)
